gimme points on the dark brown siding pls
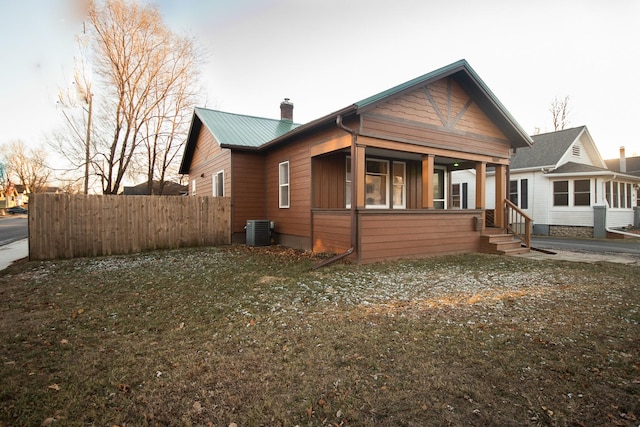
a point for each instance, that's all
(248, 192)
(208, 159)
(329, 181)
(331, 231)
(412, 234)
(296, 219)
(453, 123)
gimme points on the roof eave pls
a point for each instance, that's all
(329, 118)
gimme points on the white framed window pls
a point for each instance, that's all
(218, 184)
(561, 193)
(399, 185)
(283, 180)
(193, 187)
(377, 187)
(582, 192)
(619, 194)
(439, 185)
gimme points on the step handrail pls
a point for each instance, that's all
(514, 215)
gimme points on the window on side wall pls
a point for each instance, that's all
(582, 192)
(218, 184)
(561, 193)
(193, 187)
(283, 195)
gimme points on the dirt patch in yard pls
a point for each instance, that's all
(252, 336)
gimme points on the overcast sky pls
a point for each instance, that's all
(327, 54)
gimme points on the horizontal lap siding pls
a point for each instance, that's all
(208, 159)
(295, 220)
(388, 236)
(248, 192)
(331, 231)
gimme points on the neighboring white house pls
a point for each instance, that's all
(560, 181)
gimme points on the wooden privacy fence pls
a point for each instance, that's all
(69, 226)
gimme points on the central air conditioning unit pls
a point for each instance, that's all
(258, 232)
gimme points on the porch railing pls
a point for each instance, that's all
(517, 222)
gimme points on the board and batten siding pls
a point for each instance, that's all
(414, 234)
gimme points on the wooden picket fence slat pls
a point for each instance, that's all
(76, 225)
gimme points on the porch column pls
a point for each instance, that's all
(501, 194)
(427, 181)
(481, 185)
(361, 173)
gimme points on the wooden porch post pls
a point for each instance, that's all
(361, 173)
(501, 194)
(481, 185)
(427, 181)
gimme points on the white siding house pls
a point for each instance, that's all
(558, 182)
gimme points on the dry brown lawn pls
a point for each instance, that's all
(216, 336)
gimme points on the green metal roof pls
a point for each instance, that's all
(237, 130)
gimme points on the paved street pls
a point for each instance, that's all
(622, 246)
(13, 228)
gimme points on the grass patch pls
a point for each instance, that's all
(251, 336)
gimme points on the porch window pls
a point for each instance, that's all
(283, 171)
(561, 193)
(616, 194)
(377, 177)
(399, 185)
(438, 188)
(218, 184)
(455, 196)
(347, 185)
(582, 192)
(629, 190)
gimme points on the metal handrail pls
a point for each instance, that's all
(514, 215)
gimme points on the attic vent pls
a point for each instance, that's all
(575, 151)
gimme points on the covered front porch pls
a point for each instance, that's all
(388, 199)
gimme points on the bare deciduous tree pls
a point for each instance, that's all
(560, 113)
(25, 165)
(75, 147)
(142, 63)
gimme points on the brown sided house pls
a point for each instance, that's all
(373, 178)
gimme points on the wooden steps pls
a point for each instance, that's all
(496, 241)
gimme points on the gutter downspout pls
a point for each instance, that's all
(354, 217)
(611, 230)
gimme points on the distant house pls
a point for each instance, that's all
(372, 179)
(626, 165)
(561, 180)
(169, 188)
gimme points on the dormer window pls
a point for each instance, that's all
(575, 151)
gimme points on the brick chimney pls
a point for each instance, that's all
(286, 110)
(623, 160)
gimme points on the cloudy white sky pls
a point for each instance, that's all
(327, 54)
